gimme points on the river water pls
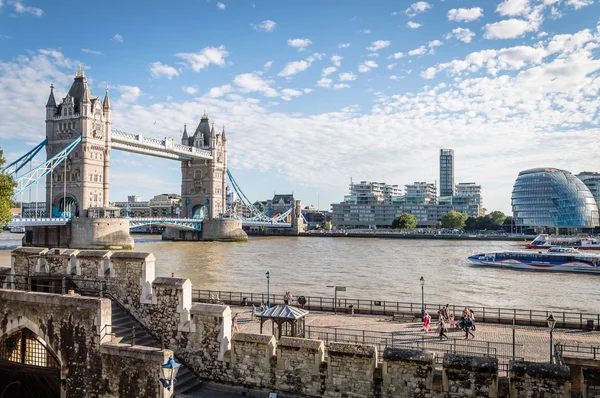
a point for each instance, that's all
(377, 269)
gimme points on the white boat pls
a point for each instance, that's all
(545, 241)
(17, 229)
(556, 259)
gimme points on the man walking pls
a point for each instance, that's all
(468, 326)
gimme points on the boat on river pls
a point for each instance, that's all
(545, 241)
(556, 259)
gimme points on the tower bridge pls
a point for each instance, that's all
(79, 141)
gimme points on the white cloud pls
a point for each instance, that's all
(391, 66)
(365, 31)
(344, 45)
(418, 51)
(328, 71)
(217, 92)
(429, 73)
(158, 69)
(463, 34)
(288, 93)
(465, 14)
(336, 59)
(340, 86)
(577, 4)
(251, 82)
(220, 6)
(417, 8)
(396, 77)
(324, 82)
(367, 66)
(129, 94)
(190, 90)
(508, 29)
(346, 76)
(292, 68)
(118, 38)
(434, 43)
(378, 45)
(209, 55)
(397, 55)
(93, 52)
(265, 26)
(21, 9)
(513, 7)
(300, 44)
(413, 25)
(268, 65)
(5, 37)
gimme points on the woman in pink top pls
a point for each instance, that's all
(426, 320)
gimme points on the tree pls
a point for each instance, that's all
(7, 186)
(404, 221)
(454, 219)
(327, 226)
(472, 224)
(497, 217)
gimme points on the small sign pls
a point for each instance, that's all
(187, 202)
(206, 201)
(340, 288)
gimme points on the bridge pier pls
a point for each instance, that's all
(214, 230)
(82, 233)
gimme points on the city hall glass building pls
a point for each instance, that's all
(548, 197)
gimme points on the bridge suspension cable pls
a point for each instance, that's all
(13, 168)
(256, 213)
(33, 176)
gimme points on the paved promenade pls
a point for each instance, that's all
(535, 340)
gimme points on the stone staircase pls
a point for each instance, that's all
(187, 382)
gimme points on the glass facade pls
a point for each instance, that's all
(446, 172)
(547, 197)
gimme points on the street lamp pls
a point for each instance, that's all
(337, 289)
(169, 371)
(422, 297)
(551, 323)
(268, 274)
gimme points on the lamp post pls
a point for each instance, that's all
(422, 297)
(268, 274)
(336, 289)
(551, 323)
(169, 371)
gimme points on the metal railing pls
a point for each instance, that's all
(522, 317)
(104, 332)
(586, 351)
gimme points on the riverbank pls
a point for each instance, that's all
(393, 235)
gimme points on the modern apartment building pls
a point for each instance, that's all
(592, 181)
(372, 192)
(163, 205)
(446, 172)
(421, 193)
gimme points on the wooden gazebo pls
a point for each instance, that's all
(289, 320)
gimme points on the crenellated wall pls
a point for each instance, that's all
(200, 335)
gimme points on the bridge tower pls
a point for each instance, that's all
(82, 180)
(203, 182)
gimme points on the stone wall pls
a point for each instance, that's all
(590, 382)
(100, 233)
(300, 366)
(533, 379)
(466, 376)
(406, 373)
(251, 357)
(350, 369)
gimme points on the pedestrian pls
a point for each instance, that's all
(290, 298)
(286, 298)
(468, 326)
(426, 320)
(447, 312)
(253, 311)
(452, 323)
(442, 329)
(234, 324)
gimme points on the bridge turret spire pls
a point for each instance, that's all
(106, 103)
(223, 136)
(51, 101)
(185, 140)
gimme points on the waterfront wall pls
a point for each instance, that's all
(200, 335)
(76, 332)
(213, 230)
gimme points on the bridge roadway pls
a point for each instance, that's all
(167, 148)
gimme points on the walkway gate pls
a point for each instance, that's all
(28, 369)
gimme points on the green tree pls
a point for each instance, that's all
(404, 221)
(7, 186)
(472, 224)
(327, 226)
(454, 219)
(497, 217)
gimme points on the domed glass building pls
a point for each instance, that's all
(548, 197)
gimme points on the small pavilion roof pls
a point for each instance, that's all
(284, 312)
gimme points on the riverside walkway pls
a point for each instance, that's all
(532, 343)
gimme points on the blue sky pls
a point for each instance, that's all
(314, 93)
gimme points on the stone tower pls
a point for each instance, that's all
(203, 182)
(82, 180)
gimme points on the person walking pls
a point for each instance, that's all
(234, 324)
(426, 320)
(253, 315)
(442, 329)
(468, 326)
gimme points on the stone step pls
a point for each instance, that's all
(186, 381)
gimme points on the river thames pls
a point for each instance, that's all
(375, 269)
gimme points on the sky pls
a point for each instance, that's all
(313, 94)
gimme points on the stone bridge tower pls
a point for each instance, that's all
(82, 180)
(203, 182)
